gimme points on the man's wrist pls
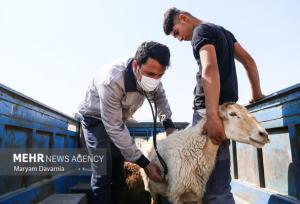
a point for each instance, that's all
(142, 161)
(212, 114)
(168, 123)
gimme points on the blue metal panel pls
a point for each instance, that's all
(2, 134)
(29, 125)
(279, 162)
(16, 137)
(71, 141)
(58, 141)
(26, 123)
(146, 132)
(41, 139)
(280, 97)
(63, 184)
(294, 132)
(279, 112)
(35, 193)
(259, 196)
(247, 164)
(17, 111)
(145, 129)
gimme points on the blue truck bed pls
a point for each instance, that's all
(269, 175)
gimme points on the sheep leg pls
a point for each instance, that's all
(154, 199)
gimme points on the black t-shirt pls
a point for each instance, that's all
(223, 40)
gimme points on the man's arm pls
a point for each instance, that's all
(111, 116)
(211, 85)
(248, 62)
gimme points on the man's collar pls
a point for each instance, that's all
(130, 80)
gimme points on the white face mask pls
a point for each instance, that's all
(148, 83)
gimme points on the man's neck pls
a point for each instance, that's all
(196, 22)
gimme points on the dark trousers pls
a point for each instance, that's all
(218, 189)
(106, 188)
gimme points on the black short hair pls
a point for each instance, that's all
(169, 18)
(153, 50)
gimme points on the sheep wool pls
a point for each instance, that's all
(190, 155)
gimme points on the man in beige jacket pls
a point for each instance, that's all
(114, 95)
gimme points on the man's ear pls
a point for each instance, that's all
(135, 65)
(182, 17)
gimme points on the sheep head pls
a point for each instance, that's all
(241, 126)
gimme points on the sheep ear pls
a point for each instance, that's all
(223, 111)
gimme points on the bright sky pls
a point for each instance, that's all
(50, 49)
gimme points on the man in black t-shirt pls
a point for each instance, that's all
(215, 49)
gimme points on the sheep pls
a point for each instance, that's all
(134, 190)
(190, 155)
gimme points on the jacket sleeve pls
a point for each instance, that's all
(111, 116)
(163, 107)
